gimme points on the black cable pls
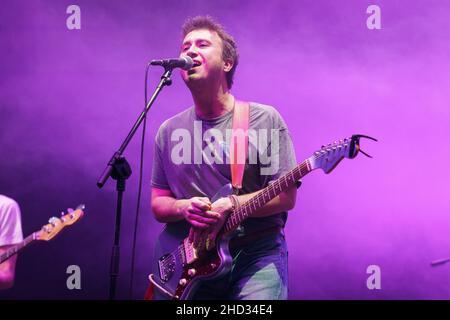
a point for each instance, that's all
(141, 167)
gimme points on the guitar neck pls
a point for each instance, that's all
(18, 247)
(265, 195)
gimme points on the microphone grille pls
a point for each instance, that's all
(189, 62)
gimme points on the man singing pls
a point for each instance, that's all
(182, 191)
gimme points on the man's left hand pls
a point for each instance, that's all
(222, 206)
(206, 238)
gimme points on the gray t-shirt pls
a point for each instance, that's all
(191, 156)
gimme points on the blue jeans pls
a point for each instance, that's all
(259, 272)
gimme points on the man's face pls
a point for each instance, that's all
(205, 48)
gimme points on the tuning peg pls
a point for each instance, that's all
(53, 220)
(356, 138)
(366, 154)
(364, 136)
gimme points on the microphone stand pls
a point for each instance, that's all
(119, 169)
(439, 262)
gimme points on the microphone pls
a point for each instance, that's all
(185, 63)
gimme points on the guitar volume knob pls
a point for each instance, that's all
(192, 272)
(183, 282)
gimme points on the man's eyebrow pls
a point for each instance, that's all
(196, 40)
(201, 39)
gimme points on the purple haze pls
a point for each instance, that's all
(68, 98)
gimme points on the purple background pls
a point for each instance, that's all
(68, 98)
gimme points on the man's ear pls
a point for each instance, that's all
(228, 65)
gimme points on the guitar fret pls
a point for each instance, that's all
(244, 213)
(274, 193)
(304, 170)
(237, 217)
(267, 194)
(232, 221)
(298, 173)
(264, 195)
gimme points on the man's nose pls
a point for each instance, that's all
(192, 52)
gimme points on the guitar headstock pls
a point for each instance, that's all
(55, 225)
(329, 156)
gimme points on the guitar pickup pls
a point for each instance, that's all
(189, 251)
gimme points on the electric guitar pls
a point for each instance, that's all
(47, 232)
(179, 268)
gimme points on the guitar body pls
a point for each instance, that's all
(172, 275)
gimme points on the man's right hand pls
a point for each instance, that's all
(197, 213)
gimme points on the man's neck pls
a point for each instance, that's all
(211, 104)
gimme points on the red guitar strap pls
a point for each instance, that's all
(239, 143)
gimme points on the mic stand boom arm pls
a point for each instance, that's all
(119, 169)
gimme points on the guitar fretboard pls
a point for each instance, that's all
(17, 247)
(265, 195)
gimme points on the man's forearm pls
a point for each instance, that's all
(168, 209)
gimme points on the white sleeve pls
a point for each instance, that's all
(10, 222)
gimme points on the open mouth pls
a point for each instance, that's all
(194, 66)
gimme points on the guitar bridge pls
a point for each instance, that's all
(166, 266)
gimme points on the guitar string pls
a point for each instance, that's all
(242, 213)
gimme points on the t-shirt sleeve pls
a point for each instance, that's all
(10, 222)
(280, 150)
(159, 178)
